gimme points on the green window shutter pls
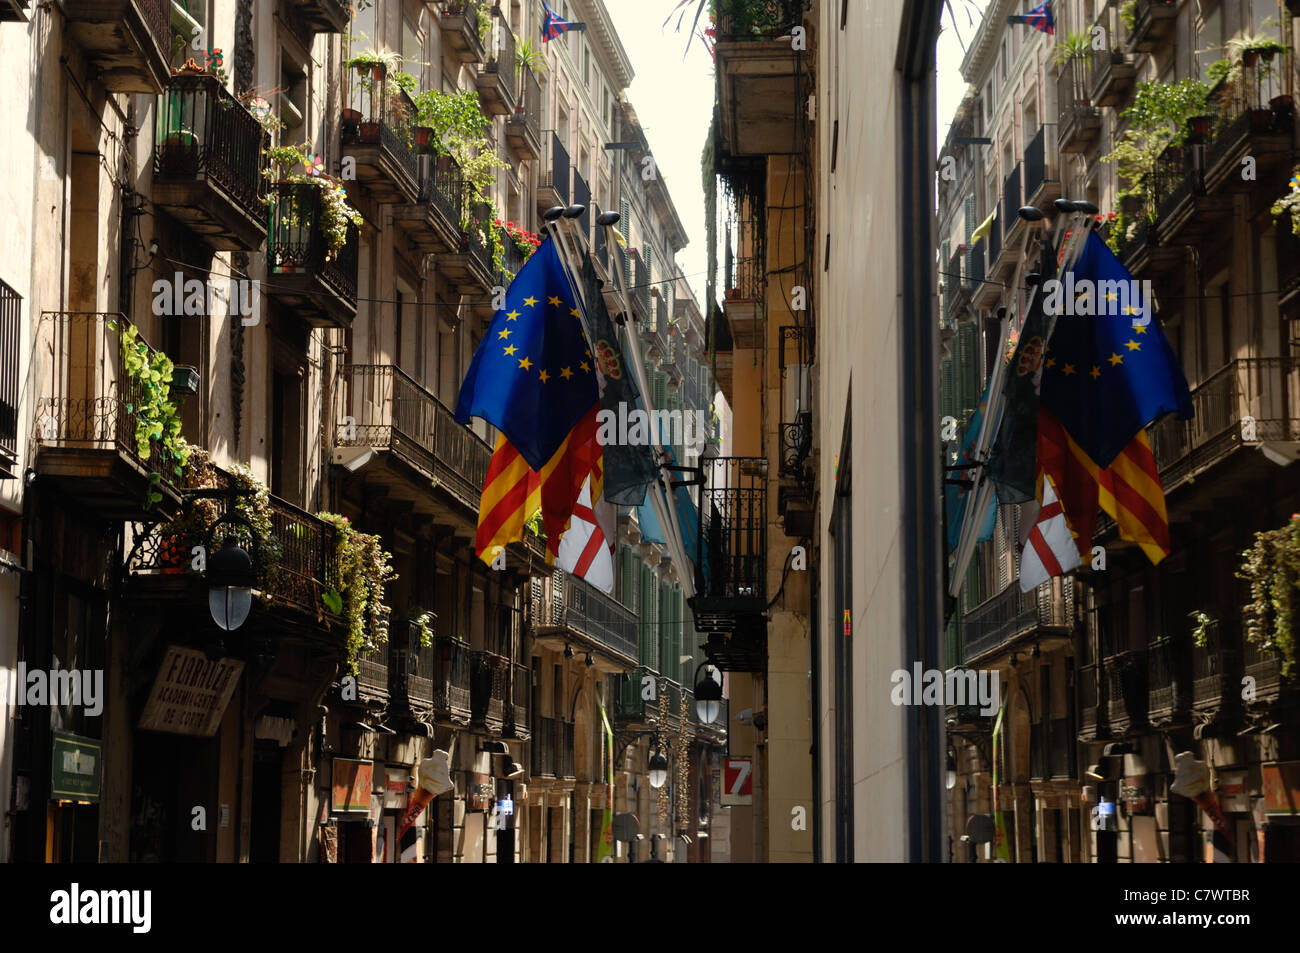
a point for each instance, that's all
(968, 208)
(946, 384)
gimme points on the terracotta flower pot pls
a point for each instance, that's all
(1249, 58)
(368, 132)
(351, 117)
(1198, 127)
(378, 72)
(423, 138)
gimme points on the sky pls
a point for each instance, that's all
(674, 101)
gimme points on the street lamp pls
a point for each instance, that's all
(708, 695)
(231, 577)
(658, 768)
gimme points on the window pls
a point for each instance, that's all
(11, 314)
(412, 49)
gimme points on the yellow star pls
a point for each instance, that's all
(1067, 370)
(1095, 372)
(1111, 296)
(585, 366)
(511, 350)
(574, 312)
(525, 364)
(503, 333)
(512, 316)
(1051, 362)
(589, 352)
(566, 373)
(1132, 310)
(1140, 329)
(1133, 345)
(544, 376)
(1115, 359)
(554, 302)
(530, 301)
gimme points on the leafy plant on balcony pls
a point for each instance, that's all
(296, 165)
(364, 569)
(484, 22)
(258, 102)
(1201, 633)
(528, 55)
(1290, 203)
(1128, 15)
(422, 619)
(157, 416)
(1272, 567)
(368, 60)
(1157, 119)
(1071, 47)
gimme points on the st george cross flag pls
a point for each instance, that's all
(1050, 550)
(586, 548)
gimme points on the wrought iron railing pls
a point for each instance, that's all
(90, 402)
(1036, 162)
(744, 279)
(372, 671)
(518, 724)
(442, 187)
(1247, 400)
(564, 742)
(1264, 666)
(630, 703)
(1126, 696)
(448, 665)
(1168, 682)
(489, 684)
(1011, 614)
(201, 131)
(764, 19)
(641, 285)
(583, 608)
(731, 563)
(556, 173)
(1073, 97)
(975, 266)
(1176, 177)
(796, 444)
(1010, 201)
(476, 243)
(389, 409)
(544, 746)
(529, 114)
(995, 240)
(1101, 69)
(501, 56)
(1091, 698)
(11, 323)
(297, 242)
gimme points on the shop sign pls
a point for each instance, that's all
(351, 785)
(190, 693)
(481, 791)
(1281, 782)
(396, 781)
(738, 781)
(1135, 795)
(77, 767)
(1233, 796)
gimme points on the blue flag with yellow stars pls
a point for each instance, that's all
(532, 376)
(1109, 370)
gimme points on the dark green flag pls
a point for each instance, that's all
(627, 468)
(1013, 464)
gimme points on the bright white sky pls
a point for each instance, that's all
(674, 102)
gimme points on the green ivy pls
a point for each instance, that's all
(157, 416)
(1157, 119)
(1272, 567)
(364, 569)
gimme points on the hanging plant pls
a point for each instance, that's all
(295, 165)
(364, 569)
(1290, 203)
(1272, 567)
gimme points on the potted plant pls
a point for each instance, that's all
(378, 63)
(1071, 47)
(423, 138)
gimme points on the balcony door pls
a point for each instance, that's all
(288, 411)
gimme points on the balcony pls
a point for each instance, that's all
(639, 290)
(1153, 23)
(1079, 123)
(1169, 682)
(1111, 78)
(89, 422)
(320, 287)
(1013, 226)
(998, 623)
(796, 444)
(524, 128)
(378, 140)
(518, 724)
(1183, 211)
(372, 675)
(553, 184)
(460, 30)
(1247, 402)
(470, 267)
(1042, 180)
(1126, 691)
(207, 163)
(1246, 126)
(432, 223)
(631, 707)
(416, 438)
(322, 16)
(974, 278)
(743, 304)
(577, 609)
(496, 79)
(489, 687)
(1216, 668)
(757, 67)
(435, 679)
(1265, 667)
(127, 41)
(1093, 713)
(731, 561)
(552, 748)
(11, 325)
(300, 556)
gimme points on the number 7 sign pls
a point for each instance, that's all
(737, 781)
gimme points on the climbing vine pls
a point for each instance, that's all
(1272, 567)
(364, 569)
(148, 398)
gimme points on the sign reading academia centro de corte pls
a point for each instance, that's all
(190, 693)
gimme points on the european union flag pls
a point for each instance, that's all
(533, 377)
(1109, 370)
